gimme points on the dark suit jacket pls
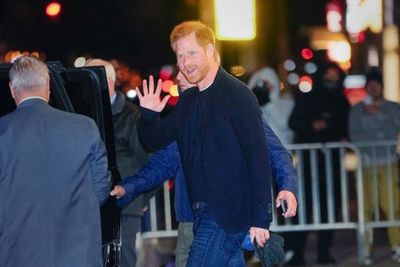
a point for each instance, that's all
(53, 177)
(235, 163)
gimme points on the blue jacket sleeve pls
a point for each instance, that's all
(161, 166)
(283, 171)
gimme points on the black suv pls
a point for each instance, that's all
(83, 91)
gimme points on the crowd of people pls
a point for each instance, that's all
(224, 144)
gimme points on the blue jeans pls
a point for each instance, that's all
(212, 246)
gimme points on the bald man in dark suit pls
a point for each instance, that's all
(53, 178)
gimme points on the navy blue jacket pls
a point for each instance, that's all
(166, 163)
(234, 154)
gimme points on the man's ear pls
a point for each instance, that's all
(11, 90)
(210, 50)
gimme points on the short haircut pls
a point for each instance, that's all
(374, 74)
(110, 70)
(28, 73)
(204, 35)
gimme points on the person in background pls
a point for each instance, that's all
(53, 178)
(276, 108)
(130, 158)
(320, 116)
(166, 163)
(377, 119)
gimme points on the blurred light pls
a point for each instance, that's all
(173, 90)
(361, 15)
(305, 84)
(293, 78)
(235, 19)
(307, 53)
(354, 81)
(11, 56)
(334, 19)
(172, 101)
(131, 93)
(35, 54)
(339, 51)
(79, 62)
(390, 38)
(53, 9)
(310, 67)
(357, 37)
(237, 70)
(289, 65)
(166, 85)
(166, 72)
(345, 65)
(373, 56)
(391, 64)
(334, 16)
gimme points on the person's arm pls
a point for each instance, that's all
(245, 116)
(154, 132)
(98, 163)
(282, 171)
(161, 166)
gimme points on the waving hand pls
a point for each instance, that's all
(150, 98)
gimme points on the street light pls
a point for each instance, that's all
(235, 19)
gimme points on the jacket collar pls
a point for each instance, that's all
(118, 103)
(32, 101)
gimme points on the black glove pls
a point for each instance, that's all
(272, 252)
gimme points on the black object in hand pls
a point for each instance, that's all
(283, 205)
(272, 252)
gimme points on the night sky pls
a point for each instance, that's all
(134, 31)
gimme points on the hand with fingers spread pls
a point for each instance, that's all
(290, 200)
(260, 234)
(150, 98)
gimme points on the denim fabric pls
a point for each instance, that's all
(212, 246)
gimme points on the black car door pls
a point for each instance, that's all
(88, 92)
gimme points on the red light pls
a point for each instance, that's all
(166, 85)
(307, 53)
(53, 9)
(306, 78)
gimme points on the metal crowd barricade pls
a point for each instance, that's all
(336, 169)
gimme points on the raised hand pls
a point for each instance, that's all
(150, 98)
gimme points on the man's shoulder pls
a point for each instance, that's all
(392, 104)
(72, 118)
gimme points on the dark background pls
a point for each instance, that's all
(137, 31)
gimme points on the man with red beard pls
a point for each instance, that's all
(219, 131)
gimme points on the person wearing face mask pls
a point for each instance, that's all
(276, 108)
(320, 116)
